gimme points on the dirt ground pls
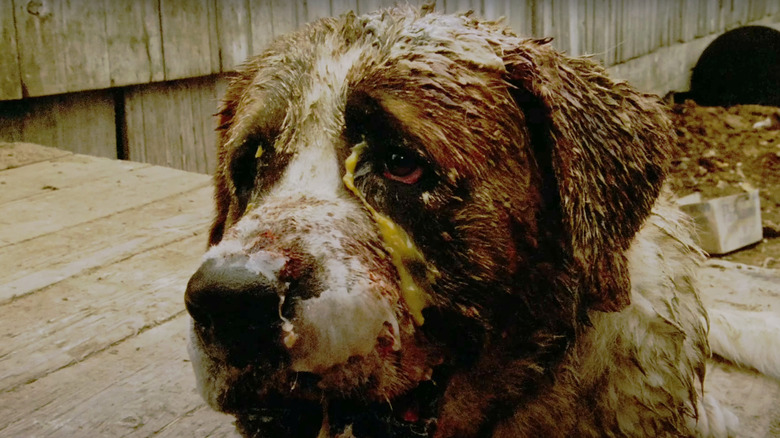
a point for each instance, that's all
(723, 151)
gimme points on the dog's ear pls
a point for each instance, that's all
(237, 83)
(607, 149)
(221, 190)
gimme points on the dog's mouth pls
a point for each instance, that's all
(412, 414)
(270, 399)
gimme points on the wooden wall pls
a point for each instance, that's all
(178, 115)
(80, 74)
(59, 46)
(83, 122)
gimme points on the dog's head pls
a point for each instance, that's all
(415, 213)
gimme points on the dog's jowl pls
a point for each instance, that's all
(427, 226)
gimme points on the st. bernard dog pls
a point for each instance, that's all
(429, 227)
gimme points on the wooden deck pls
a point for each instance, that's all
(94, 257)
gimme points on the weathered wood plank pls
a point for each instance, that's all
(134, 129)
(773, 8)
(85, 49)
(186, 38)
(56, 174)
(366, 6)
(134, 41)
(690, 16)
(453, 6)
(84, 314)
(754, 9)
(663, 21)
(743, 11)
(284, 16)
(143, 385)
(544, 19)
(172, 123)
(44, 261)
(560, 25)
(156, 136)
(53, 211)
(339, 7)
(10, 80)
(612, 38)
(80, 122)
(575, 20)
(39, 40)
(520, 17)
(701, 19)
(633, 28)
(262, 24)
(600, 11)
(213, 32)
(184, 150)
(494, 9)
(636, 28)
(205, 107)
(624, 31)
(62, 46)
(586, 27)
(196, 106)
(235, 32)
(676, 20)
(713, 16)
(652, 27)
(13, 155)
(85, 123)
(309, 10)
(724, 16)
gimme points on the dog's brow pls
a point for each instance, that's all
(257, 124)
(430, 134)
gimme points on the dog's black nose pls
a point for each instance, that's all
(232, 300)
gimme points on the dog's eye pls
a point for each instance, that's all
(403, 167)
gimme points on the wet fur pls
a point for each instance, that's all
(566, 274)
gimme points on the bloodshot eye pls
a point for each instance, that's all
(403, 167)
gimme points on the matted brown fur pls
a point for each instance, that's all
(557, 275)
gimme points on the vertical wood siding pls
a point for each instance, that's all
(59, 46)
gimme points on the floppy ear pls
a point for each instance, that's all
(221, 190)
(238, 82)
(607, 147)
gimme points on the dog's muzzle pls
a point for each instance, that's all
(298, 283)
(239, 308)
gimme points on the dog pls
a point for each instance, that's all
(427, 226)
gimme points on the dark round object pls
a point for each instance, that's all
(742, 66)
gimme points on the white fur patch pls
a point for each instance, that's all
(314, 171)
(339, 324)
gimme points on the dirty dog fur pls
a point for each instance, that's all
(427, 226)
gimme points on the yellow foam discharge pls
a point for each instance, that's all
(397, 242)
